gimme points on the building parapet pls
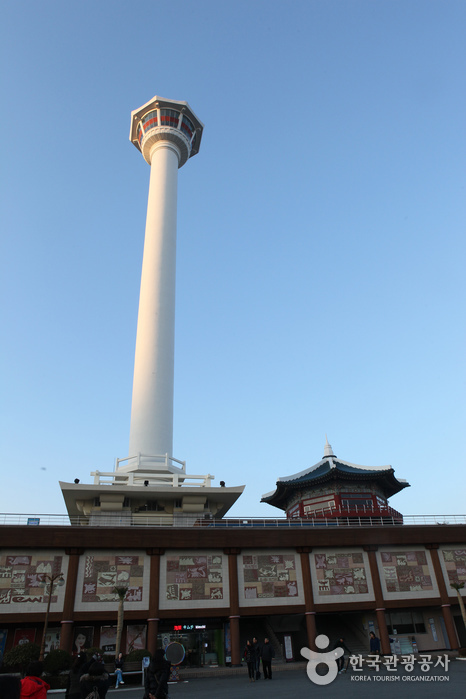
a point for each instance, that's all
(156, 520)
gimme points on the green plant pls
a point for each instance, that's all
(56, 661)
(20, 656)
(137, 655)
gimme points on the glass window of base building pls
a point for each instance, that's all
(203, 641)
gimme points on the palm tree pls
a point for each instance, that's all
(121, 592)
(459, 586)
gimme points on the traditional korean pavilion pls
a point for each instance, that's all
(333, 488)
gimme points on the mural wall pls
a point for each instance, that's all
(341, 575)
(20, 576)
(453, 562)
(194, 580)
(406, 572)
(100, 573)
(266, 579)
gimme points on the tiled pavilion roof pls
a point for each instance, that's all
(329, 470)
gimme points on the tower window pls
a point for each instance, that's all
(187, 127)
(148, 121)
(169, 117)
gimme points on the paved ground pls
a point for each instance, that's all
(294, 684)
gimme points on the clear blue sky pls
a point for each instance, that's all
(321, 240)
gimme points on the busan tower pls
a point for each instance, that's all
(149, 484)
(167, 133)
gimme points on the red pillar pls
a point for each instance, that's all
(154, 596)
(66, 635)
(310, 613)
(234, 617)
(444, 597)
(379, 600)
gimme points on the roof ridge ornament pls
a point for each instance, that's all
(328, 451)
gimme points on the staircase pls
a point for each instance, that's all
(335, 626)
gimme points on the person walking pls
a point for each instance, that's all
(119, 670)
(267, 653)
(257, 655)
(374, 644)
(249, 655)
(96, 677)
(156, 682)
(341, 661)
(73, 688)
(32, 686)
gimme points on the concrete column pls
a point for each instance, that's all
(151, 430)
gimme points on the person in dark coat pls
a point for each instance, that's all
(96, 677)
(374, 644)
(73, 689)
(341, 644)
(257, 653)
(156, 683)
(90, 659)
(267, 653)
(249, 655)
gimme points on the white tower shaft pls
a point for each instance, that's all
(151, 431)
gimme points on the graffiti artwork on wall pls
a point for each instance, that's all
(105, 572)
(270, 576)
(455, 564)
(340, 573)
(406, 571)
(194, 578)
(21, 577)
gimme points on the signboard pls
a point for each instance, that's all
(34, 521)
(24, 636)
(52, 639)
(108, 639)
(433, 629)
(83, 638)
(288, 649)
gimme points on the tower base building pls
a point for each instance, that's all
(210, 583)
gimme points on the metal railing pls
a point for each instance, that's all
(354, 510)
(155, 519)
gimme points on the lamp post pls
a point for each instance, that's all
(51, 580)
